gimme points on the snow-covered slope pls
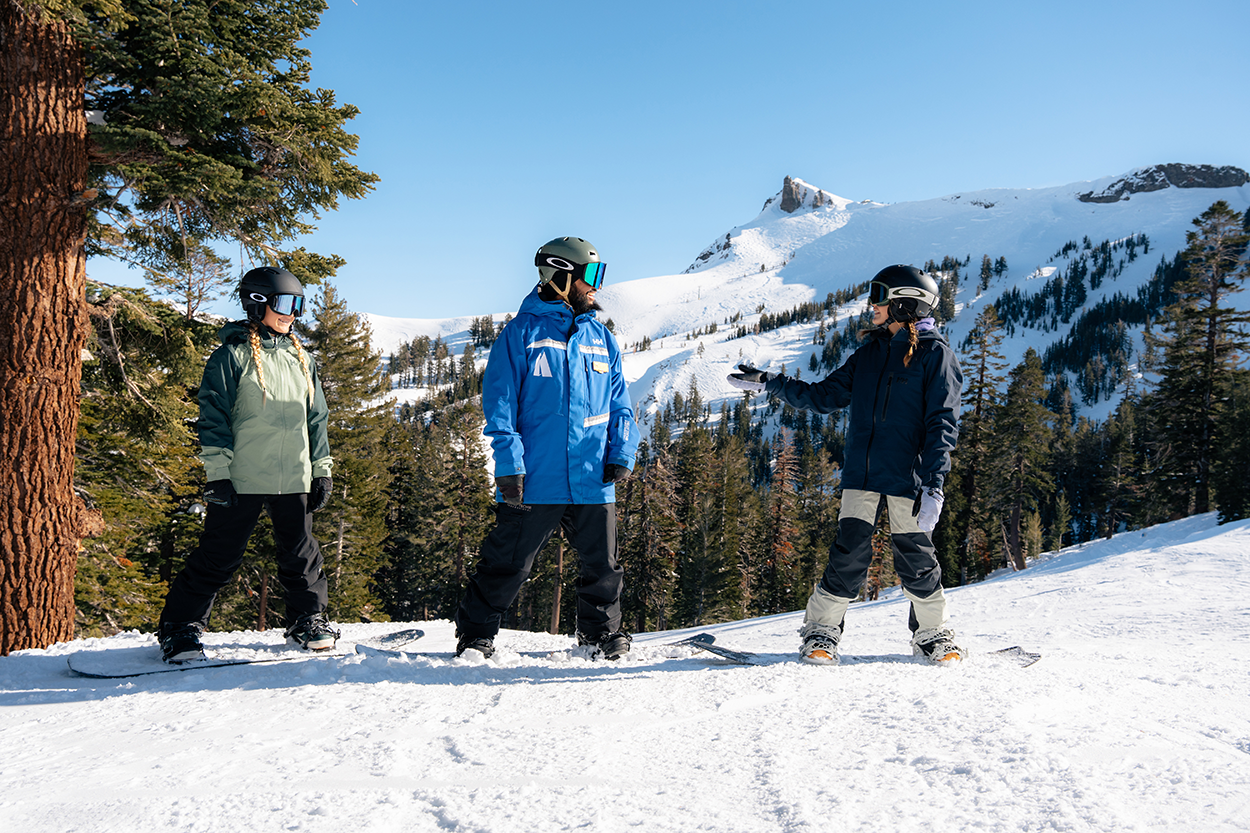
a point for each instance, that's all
(1137, 718)
(807, 243)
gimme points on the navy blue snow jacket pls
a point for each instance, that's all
(556, 404)
(903, 421)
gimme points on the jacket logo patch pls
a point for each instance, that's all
(599, 367)
(541, 368)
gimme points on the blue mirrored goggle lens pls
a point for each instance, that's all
(878, 293)
(594, 274)
(287, 304)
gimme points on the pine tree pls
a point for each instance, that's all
(648, 536)
(701, 574)
(206, 132)
(351, 528)
(778, 582)
(400, 585)
(816, 512)
(1120, 487)
(984, 363)
(135, 464)
(1021, 439)
(1231, 465)
(1204, 339)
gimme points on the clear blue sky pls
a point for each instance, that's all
(652, 128)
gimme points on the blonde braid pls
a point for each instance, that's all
(254, 341)
(913, 340)
(303, 362)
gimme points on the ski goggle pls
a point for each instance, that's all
(878, 293)
(591, 273)
(281, 304)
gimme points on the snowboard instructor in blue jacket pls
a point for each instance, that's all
(903, 390)
(563, 434)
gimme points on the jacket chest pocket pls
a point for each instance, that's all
(899, 389)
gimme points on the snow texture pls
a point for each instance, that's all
(1137, 718)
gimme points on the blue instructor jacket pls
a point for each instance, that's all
(556, 404)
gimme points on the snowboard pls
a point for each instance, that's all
(700, 640)
(115, 663)
(1015, 654)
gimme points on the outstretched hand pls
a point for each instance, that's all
(750, 378)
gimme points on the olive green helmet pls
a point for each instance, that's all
(564, 254)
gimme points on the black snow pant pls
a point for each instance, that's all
(915, 558)
(508, 555)
(222, 545)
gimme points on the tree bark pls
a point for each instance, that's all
(554, 627)
(43, 323)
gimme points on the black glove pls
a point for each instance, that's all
(750, 378)
(220, 492)
(513, 488)
(614, 473)
(319, 494)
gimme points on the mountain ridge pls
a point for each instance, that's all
(826, 243)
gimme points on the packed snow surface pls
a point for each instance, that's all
(1136, 718)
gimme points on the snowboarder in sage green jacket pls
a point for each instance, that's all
(262, 431)
(903, 390)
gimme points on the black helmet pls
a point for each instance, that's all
(273, 287)
(911, 294)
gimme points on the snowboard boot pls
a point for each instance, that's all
(180, 642)
(312, 632)
(608, 645)
(937, 645)
(820, 643)
(484, 645)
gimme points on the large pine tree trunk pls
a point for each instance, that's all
(43, 169)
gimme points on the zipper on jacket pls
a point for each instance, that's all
(872, 433)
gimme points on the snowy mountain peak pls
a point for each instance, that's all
(796, 194)
(799, 212)
(1158, 177)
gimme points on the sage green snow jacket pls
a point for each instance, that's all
(267, 443)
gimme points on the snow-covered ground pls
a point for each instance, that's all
(1137, 718)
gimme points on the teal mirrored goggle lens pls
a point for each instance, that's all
(287, 304)
(593, 274)
(878, 293)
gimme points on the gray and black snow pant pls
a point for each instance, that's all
(508, 555)
(915, 561)
(223, 543)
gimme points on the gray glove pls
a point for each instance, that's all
(750, 378)
(928, 508)
(513, 488)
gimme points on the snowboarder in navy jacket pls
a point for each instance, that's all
(903, 388)
(562, 434)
